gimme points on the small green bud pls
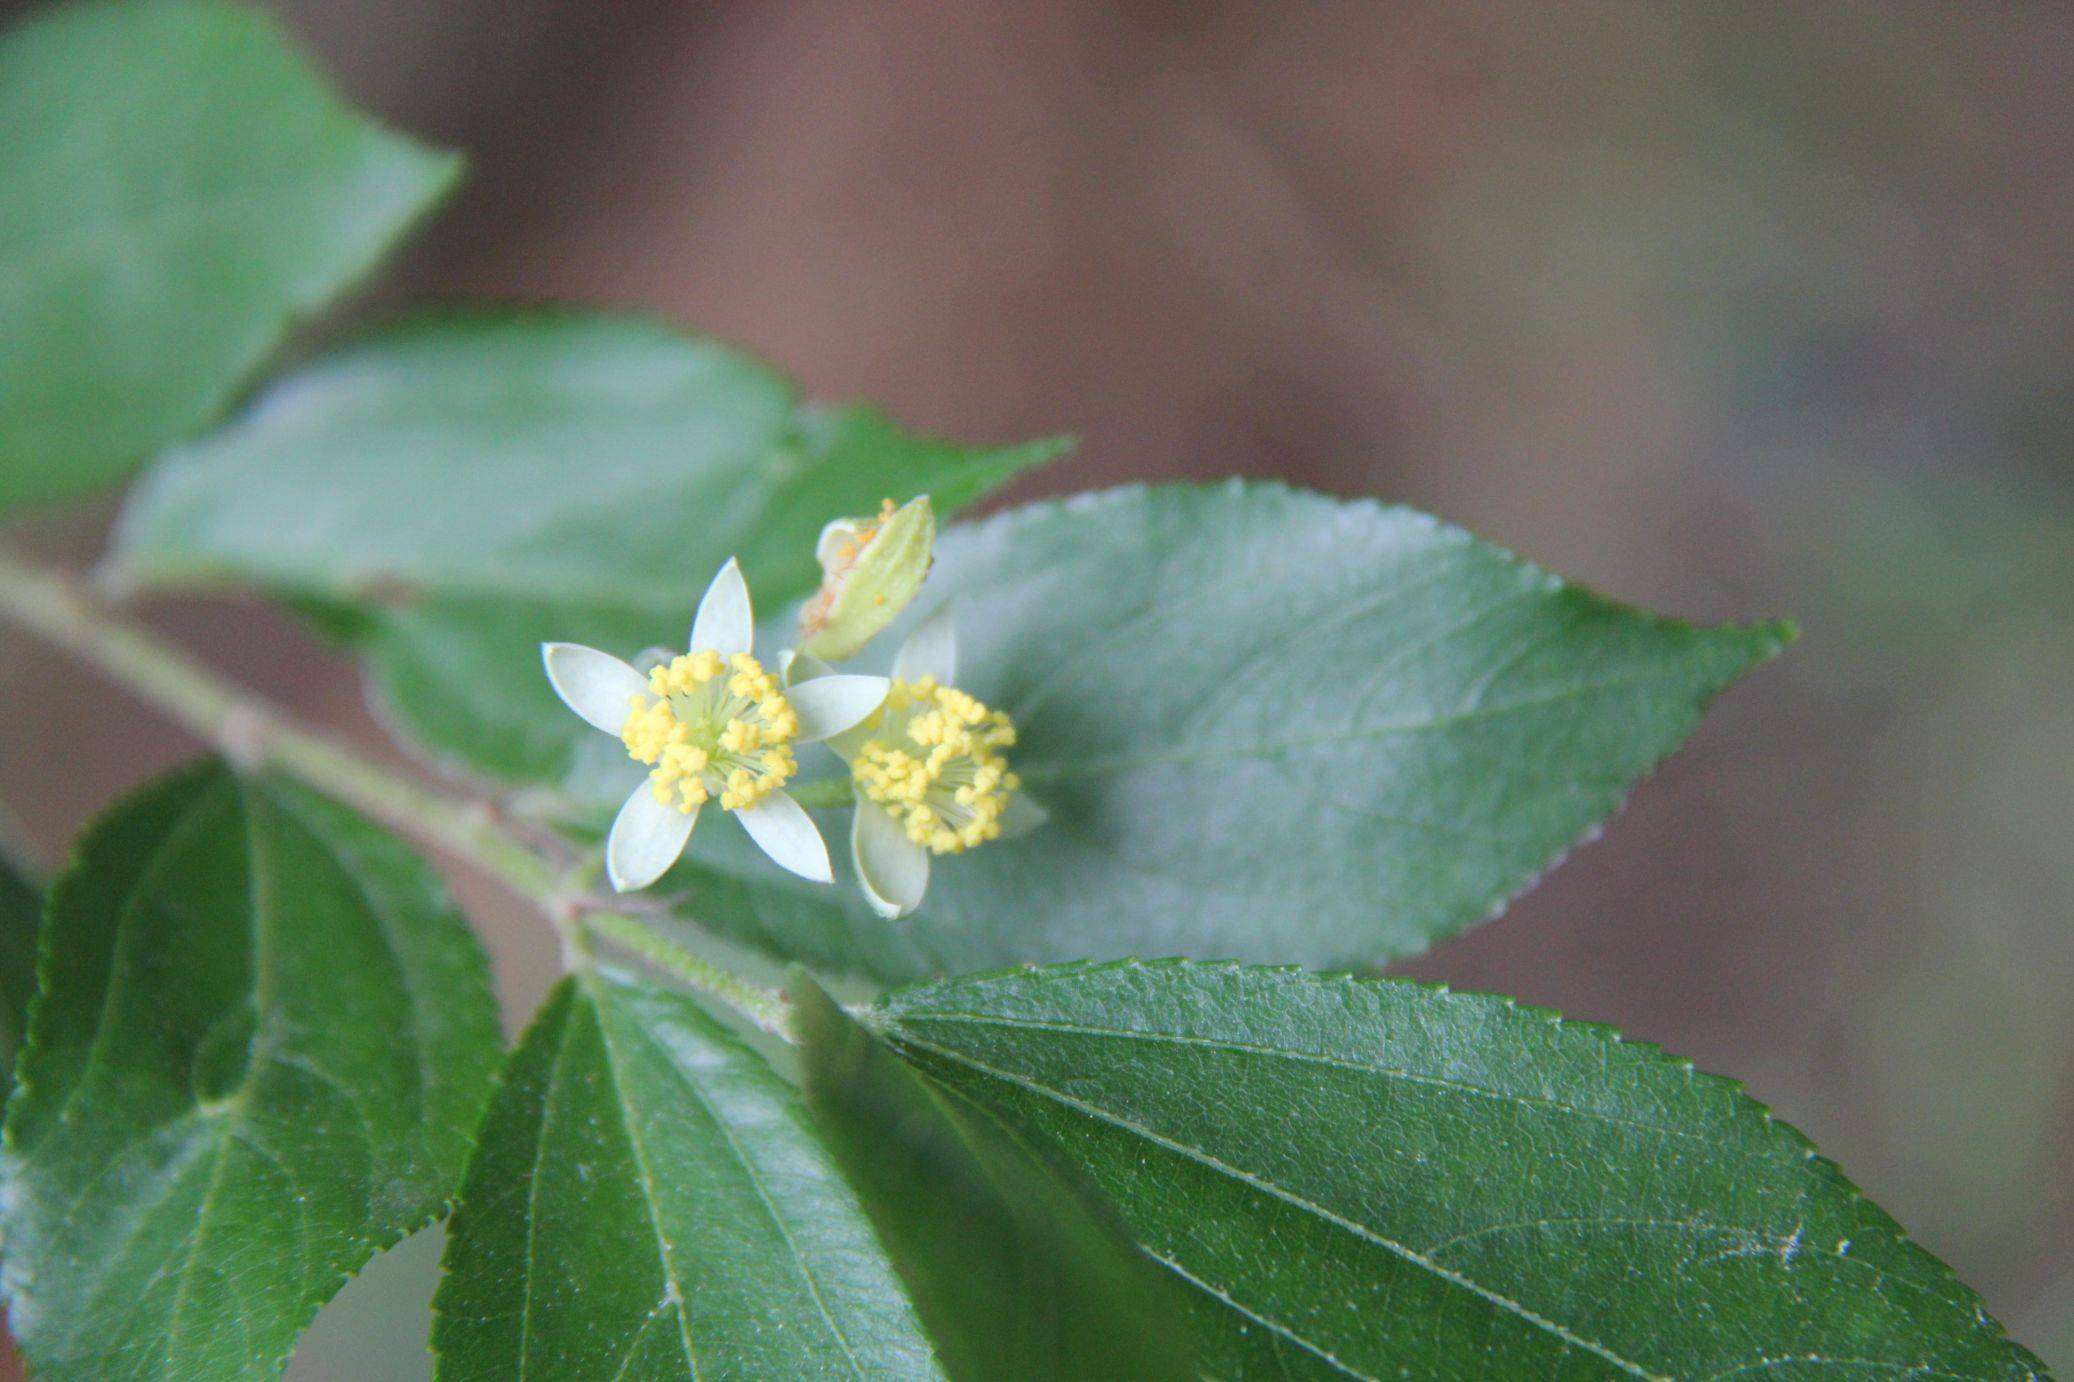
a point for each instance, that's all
(870, 569)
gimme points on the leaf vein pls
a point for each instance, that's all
(1225, 1298)
(1302, 1058)
(1061, 770)
(665, 1252)
(1413, 1256)
(763, 1197)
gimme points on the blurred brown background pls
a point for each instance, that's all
(1731, 310)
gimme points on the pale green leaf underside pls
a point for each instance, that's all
(1268, 726)
(1375, 1178)
(262, 1044)
(179, 188)
(648, 1203)
(1017, 1269)
(468, 487)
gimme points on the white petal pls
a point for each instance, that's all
(801, 668)
(834, 537)
(724, 623)
(931, 650)
(1021, 816)
(597, 686)
(796, 667)
(647, 836)
(892, 869)
(830, 705)
(782, 829)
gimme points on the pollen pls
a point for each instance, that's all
(935, 762)
(853, 546)
(712, 726)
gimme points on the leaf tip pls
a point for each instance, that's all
(1773, 637)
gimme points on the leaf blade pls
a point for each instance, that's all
(647, 1187)
(496, 480)
(1454, 1184)
(1016, 1272)
(198, 1063)
(1268, 726)
(157, 247)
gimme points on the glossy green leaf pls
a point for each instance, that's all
(1016, 1270)
(647, 1202)
(263, 1042)
(177, 187)
(1376, 1178)
(466, 488)
(1267, 726)
(21, 912)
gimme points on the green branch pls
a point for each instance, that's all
(254, 734)
(766, 1008)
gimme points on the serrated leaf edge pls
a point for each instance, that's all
(881, 1018)
(76, 862)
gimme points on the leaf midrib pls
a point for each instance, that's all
(1068, 769)
(665, 1252)
(756, 1181)
(1461, 1281)
(1712, 1142)
(223, 1128)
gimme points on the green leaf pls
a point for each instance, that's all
(647, 1202)
(1018, 1273)
(467, 487)
(1377, 1178)
(179, 188)
(1267, 726)
(262, 1045)
(21, 912)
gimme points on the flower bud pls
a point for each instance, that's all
(870, 569)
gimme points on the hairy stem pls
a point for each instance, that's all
(256, 735)
(253, 734)
(765, 1007)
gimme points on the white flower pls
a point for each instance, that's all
(927, 767)
(709, 724)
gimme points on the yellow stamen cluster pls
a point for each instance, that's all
(715, 726)
(936, 764)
